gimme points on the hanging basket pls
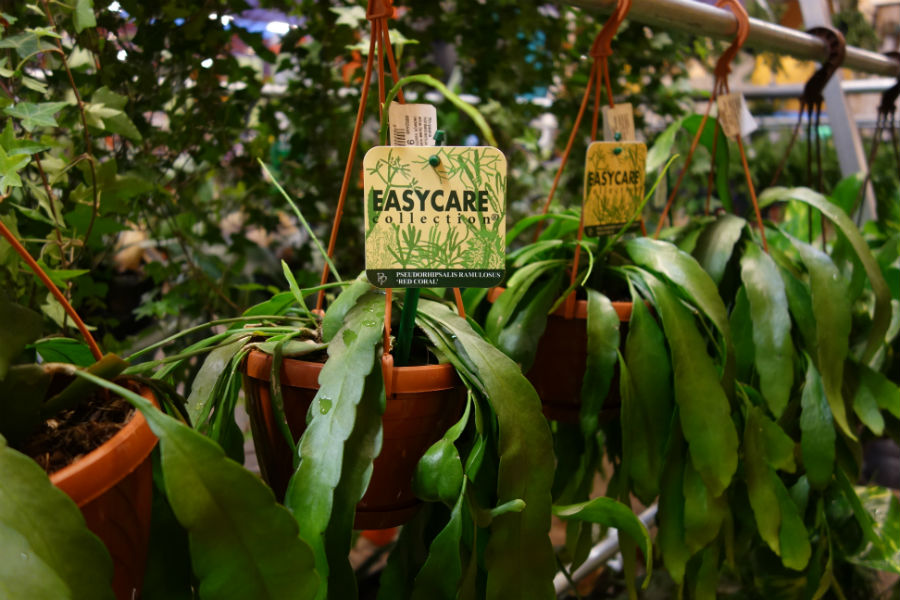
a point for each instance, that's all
(425, 401)
(561, 359)
(113, 487)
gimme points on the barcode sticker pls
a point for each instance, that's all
(734, 116)
(412, 124)
(619, 119)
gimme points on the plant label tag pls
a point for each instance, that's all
(435, 217)
(613, 186)
(412, 124)
(734, 116)
(619, 119)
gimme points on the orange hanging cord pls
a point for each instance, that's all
(599, 77)
(45, 279)
(722, 70)
(378, 13)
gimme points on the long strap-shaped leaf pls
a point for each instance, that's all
(46, 551)
(881, 318)
(703, 406)
(519, 557)
(351, 358)
(243, 543)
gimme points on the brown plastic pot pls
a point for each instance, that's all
(113, 487)
(425, 401)
(561, 359)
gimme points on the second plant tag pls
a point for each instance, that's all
(435, 217)
(613, 185)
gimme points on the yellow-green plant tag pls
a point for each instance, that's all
(613, 185)
(435, 217)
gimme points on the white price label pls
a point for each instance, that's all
(734, 116)
(412, 124)
(619, 119)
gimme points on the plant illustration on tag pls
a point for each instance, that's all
(613, 185)
(435, 217)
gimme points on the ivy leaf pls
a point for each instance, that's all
(28, 42)
(33, 115)
(9, 170)
(111, 109)
(14, 146)
(84, 15)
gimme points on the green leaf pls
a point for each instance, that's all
(243, 543)
(114, 118)
(21, 326)
(439, 473)
(65, 350)
(832, 312)
(760, 480)
(722, 162)
(881, 318)
(878, 510)
(646, 420)
(774, 352)
(692, 282)
(703, 511)
(602, 350)
(15, 146)
(674, 551)
(794, 538)
(439, 577)
(875, 387)
(39, 520)
(817, 436)
(10, 165)
(703, 406)
(34, 115)
(352, 357)
(347, 299)
(611, 513)
(519, 557)
(742, 330)
(516, 289)
(521, 334)
(202, 399)
(22, 393)
(29, 42)
(716, 244)
(83, 17)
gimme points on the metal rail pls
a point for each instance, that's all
(691, 16)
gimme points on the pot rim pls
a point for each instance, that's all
(622, 307)
(96, 472)
(296, 372)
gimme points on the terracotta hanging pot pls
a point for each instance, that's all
(561, 359)
(113, 487)
(425, 402)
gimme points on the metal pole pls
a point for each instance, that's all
(690, 16)
(599, 554)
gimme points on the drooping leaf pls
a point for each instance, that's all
(692, 282)
(817, 436)
(520, 336)
(759, 478)
(439, 577)
(703, 511)
(674, 551)
(44, 525)
(832, 312)
(439, 473)
(311, 491)
(611, 513)
(516, 288)
(646, 420)
(602, 350)
(334, 316)
(794, 538)
(703, 406)
(742, 330)
(716, 244)
(519, 556)
(774, 351)
(243, 543)
(881, 317)
(22, 394)
(876, 387)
